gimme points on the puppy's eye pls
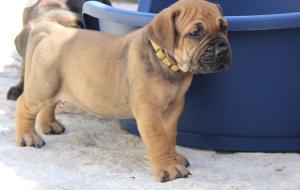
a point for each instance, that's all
(196, 34)
(223, 27)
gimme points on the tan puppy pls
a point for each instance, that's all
(144, 75)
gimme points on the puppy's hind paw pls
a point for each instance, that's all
(53, 128)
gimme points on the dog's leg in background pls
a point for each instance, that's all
(47, 121)
(157, 143)
(21, 45)
(170, 120)
(25, 121)
(15, 91)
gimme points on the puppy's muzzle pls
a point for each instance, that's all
(222, 55)
(215, 57)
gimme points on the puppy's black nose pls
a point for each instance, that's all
(221, 50)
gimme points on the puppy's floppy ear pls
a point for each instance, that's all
(162, 29)
(220, 9)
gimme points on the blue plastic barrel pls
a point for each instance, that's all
(232, 7)
(154, 6)
(255, 105)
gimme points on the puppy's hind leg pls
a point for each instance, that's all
(47, 121)
(36, 98)
(25, 121)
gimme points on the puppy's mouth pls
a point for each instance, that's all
(215, 57)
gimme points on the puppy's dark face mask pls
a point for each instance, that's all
(213, 55)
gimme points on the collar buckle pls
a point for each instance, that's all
(160, 54)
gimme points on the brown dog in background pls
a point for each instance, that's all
(64, 12)
(143, 75)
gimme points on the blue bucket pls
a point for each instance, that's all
(255, 105)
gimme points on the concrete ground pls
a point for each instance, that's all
(97, 154)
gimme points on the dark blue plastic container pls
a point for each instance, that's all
(255, 105)
(233, 7)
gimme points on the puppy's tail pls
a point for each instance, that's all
(62, 17)
(33, 33)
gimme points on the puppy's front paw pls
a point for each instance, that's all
(171, 172)
(180, 159)
(14, 93)
(30, 139)
(52, 128)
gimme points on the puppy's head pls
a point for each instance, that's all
(193, 33)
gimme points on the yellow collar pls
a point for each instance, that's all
(160, 54)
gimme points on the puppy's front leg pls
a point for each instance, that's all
(169, 121)
(157, 143)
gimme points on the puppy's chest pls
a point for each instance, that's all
(167, 95)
